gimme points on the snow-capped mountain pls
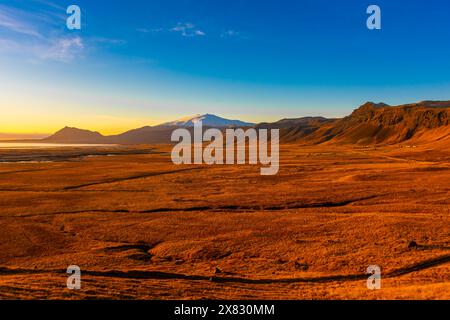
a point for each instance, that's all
(208, 120)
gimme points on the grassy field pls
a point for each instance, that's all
(140, 227)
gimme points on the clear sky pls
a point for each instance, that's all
(136, 63)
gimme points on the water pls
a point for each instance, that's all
(15, 146)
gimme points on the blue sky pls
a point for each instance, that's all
(138, 63)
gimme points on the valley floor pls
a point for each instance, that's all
(140, 227)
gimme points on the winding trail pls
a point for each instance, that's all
(158, 275)
(211, 208)
(129, 178)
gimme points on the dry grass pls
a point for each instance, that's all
(142, 228)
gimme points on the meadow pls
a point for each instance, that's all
(140, 227)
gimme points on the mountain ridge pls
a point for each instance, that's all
(370, 124)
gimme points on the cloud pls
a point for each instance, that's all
(10, 19)
(108, 41)
(46, 13)
(188, 30)
(63, 49)
(10, 46)
(145, 30)
(50, 4)
(34, 44)
(38, 36)
(232, 34)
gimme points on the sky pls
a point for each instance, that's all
(137, 63)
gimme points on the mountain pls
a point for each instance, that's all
(294, 129)
(380, 123)
(144, 135)
(370, 124)
(162, 133)
(208, 120)
(75, 135)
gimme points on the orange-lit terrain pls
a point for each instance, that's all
(247, 151)
(140, 227)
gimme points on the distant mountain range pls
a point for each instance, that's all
(145, 135)
(370, 124)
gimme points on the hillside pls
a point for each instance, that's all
(144, 135)
(372, 124)
(75, 135)
(292, 130)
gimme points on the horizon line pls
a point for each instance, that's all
(11, 135)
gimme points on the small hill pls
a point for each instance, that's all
(75, 135)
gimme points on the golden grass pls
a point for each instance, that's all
(140, 227)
